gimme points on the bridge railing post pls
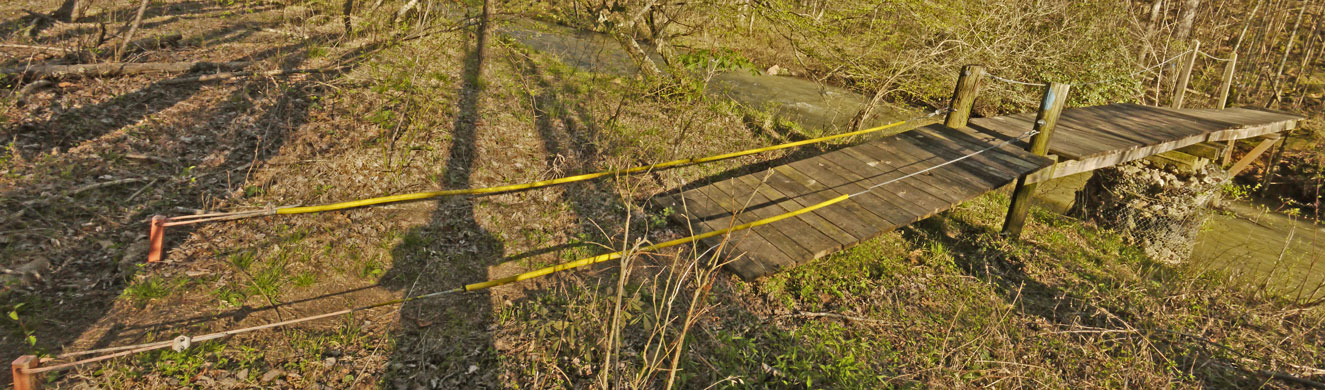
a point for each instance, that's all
(1185, 75)
(963, 97)
(1051, 105)
(1226, 85)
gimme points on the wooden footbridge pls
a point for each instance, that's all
(923, 179)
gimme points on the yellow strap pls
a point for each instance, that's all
(569, 179)
(617, 255)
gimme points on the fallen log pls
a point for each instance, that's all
(118, 68)
(231, 75)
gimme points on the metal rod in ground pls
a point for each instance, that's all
(1055, 98)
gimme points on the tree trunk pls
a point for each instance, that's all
(1251, 17)
(346, 9)
(71, 10)
(1154, 13)
(1188, 19)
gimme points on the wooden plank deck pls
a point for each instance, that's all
(766, 249)
(1091, 138)
(1086, 138)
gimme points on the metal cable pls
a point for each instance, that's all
(1207, 55)
(1011, 81)
(1107, 80)
(1151, 68)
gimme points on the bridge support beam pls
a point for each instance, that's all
(963, 98)
(1255, 152)
(1055, 98)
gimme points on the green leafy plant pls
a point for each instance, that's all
(29, 336)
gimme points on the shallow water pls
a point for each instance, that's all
(809, 104)
(1249, 243)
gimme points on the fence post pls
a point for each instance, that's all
(23, 380)
(1227, 83)
(963, 98)
(1185, 75)
(1055, 97)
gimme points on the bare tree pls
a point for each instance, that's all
(1292, 37)
(1188, 19)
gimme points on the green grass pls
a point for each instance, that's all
(152, 288)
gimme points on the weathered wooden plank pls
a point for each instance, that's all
(856, 221)
(1010, 155)
(787, 235)
(996, 161)
(744, 265)
(1242, 117)
(789, 202)
(759, 255)
(1206, 150)
(892, 202)
(949, 179)
(1116, 127)
(1252, 131)
(886, 209)
(919, 162)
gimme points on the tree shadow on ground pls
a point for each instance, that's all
(34, 22)
(247, 144)
(439, 340)
(67, 128)
(1070, 309)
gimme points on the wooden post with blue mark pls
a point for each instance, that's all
(1055, 98)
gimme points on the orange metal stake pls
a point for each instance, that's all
(24, 380)
(157, 237)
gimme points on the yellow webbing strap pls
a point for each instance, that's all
(570, 179)
(617, 255)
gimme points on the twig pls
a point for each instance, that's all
(34, 47)
(231, 75)
(838, 316)
(140, 190)
(94, 186)
(133, 28)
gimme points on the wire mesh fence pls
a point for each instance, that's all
(1157, 207)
